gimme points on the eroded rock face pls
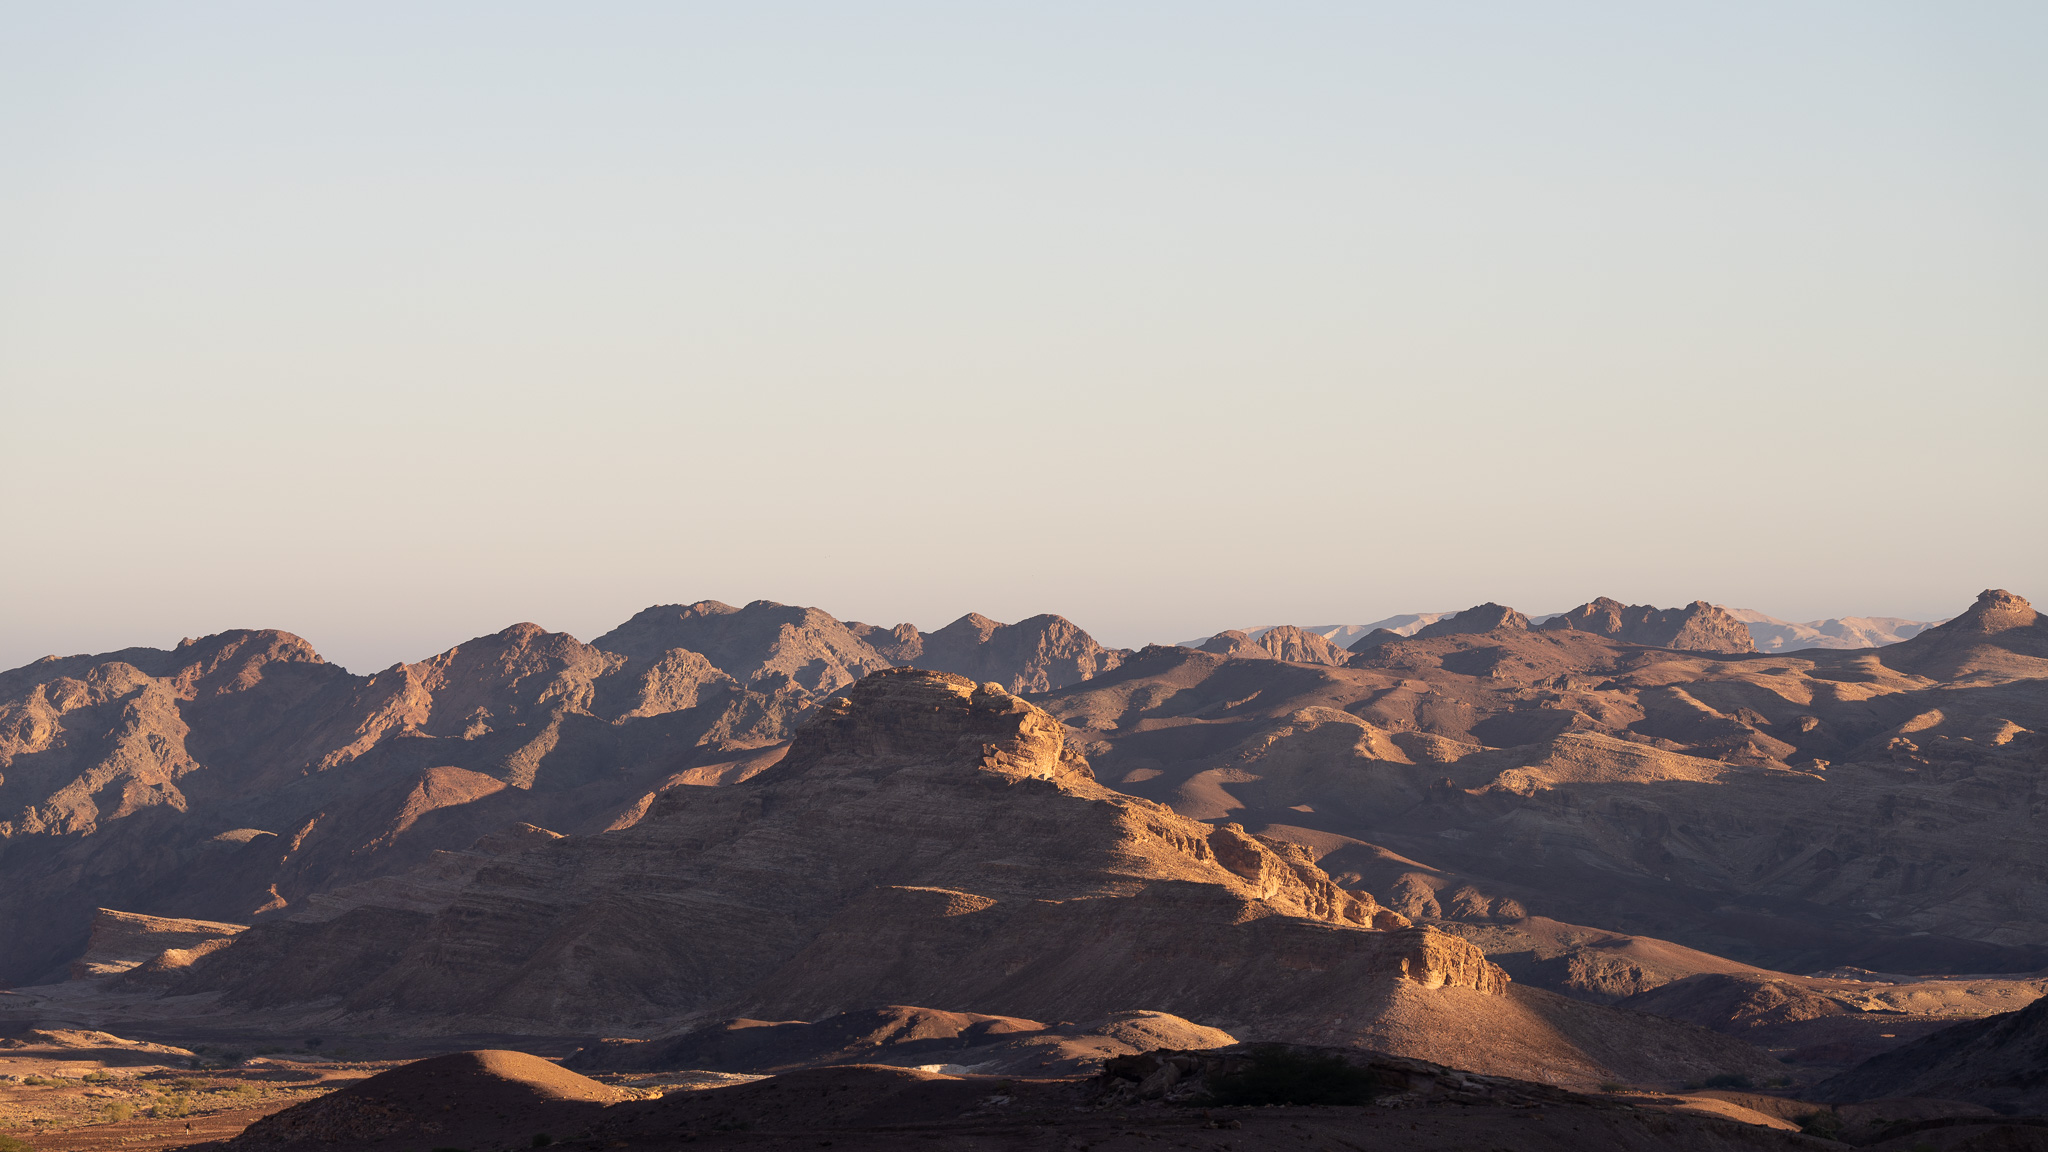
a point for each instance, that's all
(1697, 627)
(926, 840)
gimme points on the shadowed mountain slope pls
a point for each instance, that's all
(1997, 1061)
(497, 1100)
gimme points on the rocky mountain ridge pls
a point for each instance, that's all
(925, 841)
(238, 775)
(1602, 815)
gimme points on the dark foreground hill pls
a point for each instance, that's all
(2000, 1062)
(505, 1100)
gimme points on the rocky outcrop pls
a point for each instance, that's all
(1697, 627)
(2001, 637)
(1285, 642)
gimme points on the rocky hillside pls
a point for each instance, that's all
(1995, 1061)
(237, 775)
(913, 813)
(927, 841)
(1697, 627)
(1799, 812)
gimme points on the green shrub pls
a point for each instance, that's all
(13, 1144)
(168, 1107)
(119, 1110)
(1276, 1075)
(1730, 1080)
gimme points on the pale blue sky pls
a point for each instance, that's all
(393, 324)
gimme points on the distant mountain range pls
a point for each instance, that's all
(1768, 633)
(1617, 844)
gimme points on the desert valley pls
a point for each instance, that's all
(1624, 877)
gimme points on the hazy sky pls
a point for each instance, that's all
(394, 324)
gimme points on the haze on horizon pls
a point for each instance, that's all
(392, 325)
